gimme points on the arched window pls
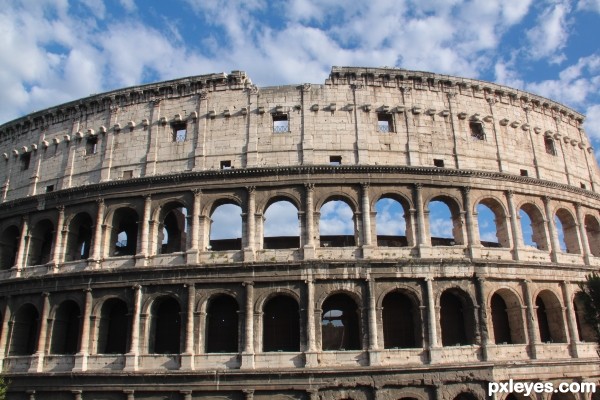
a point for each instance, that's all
(24, 331)
(281, 325)
(390, 223)
(114, 327)
(124, 232)
(584, 328)
(550, 318)
(281, 228)
(9, 246)
(173, 234)
(456, 320)
(567, 231)
(226, 228)
(466, 396)
(65, 329)
(336, 224)
(165, 333)
(493, 229)
(500, 320)
(592, 229)
(340, 328)
(445, 223)
(79, 238)
(532, 227)
(400, 322)
(222, 325)
(40, 243)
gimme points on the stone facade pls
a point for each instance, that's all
(170, 312)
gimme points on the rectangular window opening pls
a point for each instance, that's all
(179, 131)
(25, 160)
(91, 146)
(438, 163)
(477, 131)
(524, 172)
(335, 160)
(49, 188)
(385, 123)
(127, 174)
(550, 148)
(226, 164)
(281, 124)
(582, 185)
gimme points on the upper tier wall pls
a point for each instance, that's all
(431, 119)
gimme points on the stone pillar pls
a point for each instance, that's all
(23, 242)
(250, 224)
(186, 394)
(534, 337)
(423, 240)
(248, 394)
(366, 215)
(431, 321)
(77, 394)
(585, 244)
(552, 235)
(58, 239)
(571, 322)
(187, 358)
(82, 357)
(97, 252)
(373, 342)
(4, 334)
(472, 241)
(248, 354)
(130, 394)
(194, 249)
(514, 225)
(31, 394)
(311, 351)
(483, 326)
(37, 361)
(142, 254)
(131, 358)
(309, 248)
(313, 394)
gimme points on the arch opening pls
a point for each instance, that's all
(336, 224)
(79, 238)
(173, 235)
(401, 322)
(281, 324)
(533, 227)
(549, 314)
(165, 332)
(65, 329)
(281, 227)
(566, 229)
(493, 229)
(222, 325)
(114, 327)
(445, 224)
(456, 319)
(226, 228)
(592, 229)
(391, 223)
(340, 329)
(9, 247)
(40, 243)
(585, 330)
(124, 232)
(24, 331)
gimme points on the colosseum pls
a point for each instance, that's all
(114, 285)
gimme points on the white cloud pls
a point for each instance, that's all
(336, 219)
(226, 222)
(281, 219)
(589, 5)
(390, 218)
(549, 37)
(128, 5)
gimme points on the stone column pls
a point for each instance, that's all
(248, 394)
(423, 240)
(82, 357)
(571, 322)
(366, 215)
(483, 326)
(186, 394)
(250, 224)
(31, 394)
(58, 239)
(552, 235)
(131, 358)
(97, 252)
(309, 248)
(311, 351)
(248, 354)
(532, 330)
(432, 321)
(4, 334)
(187, 358)
(471, 236)
(514, 225)
(130, 394)
(142, 254)
(585, 244)
(37, 361)
(23, 242)
(192, 252)
(77, 394)
(373, 342)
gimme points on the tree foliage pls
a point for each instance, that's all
(591, 298)
(3, 387)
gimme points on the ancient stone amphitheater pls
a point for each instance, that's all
(114, 287)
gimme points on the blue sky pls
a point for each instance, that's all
(53, 51)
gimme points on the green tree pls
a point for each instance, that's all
(3, 387)
(591, 298)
